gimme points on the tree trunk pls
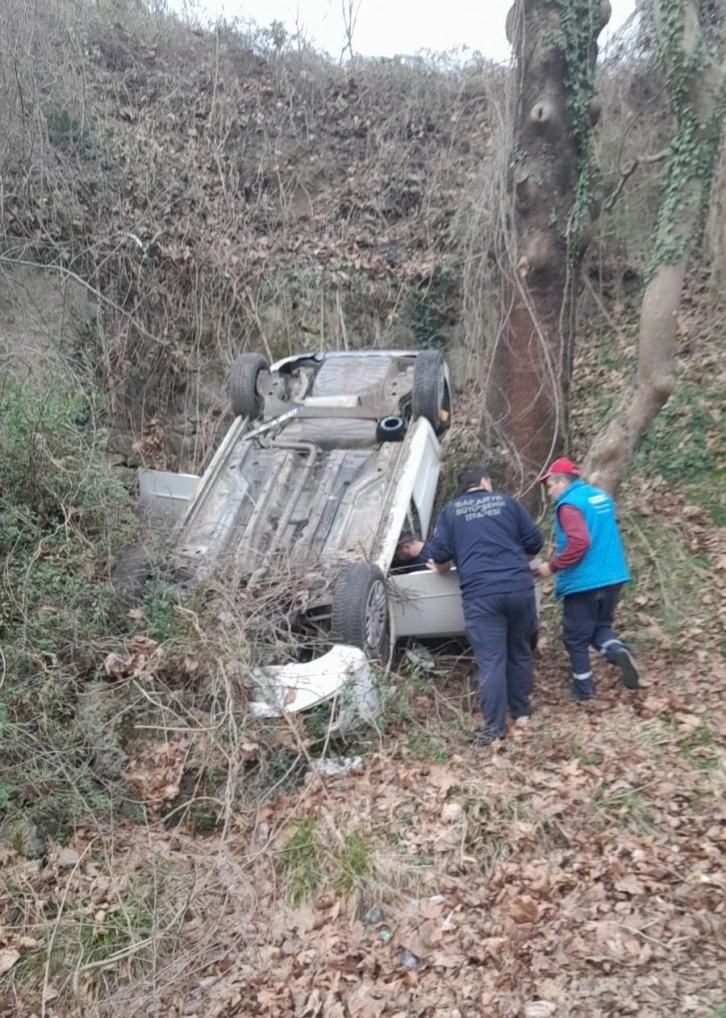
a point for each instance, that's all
(695, 84)
(716, 229)
(553, 206)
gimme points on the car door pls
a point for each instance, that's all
(426, 604)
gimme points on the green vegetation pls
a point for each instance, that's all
(311, 859)
(695, 143)
(425, 745)
(433, 308)
(667, 577)
(131, 928)
(353, 863)
(699, 747)
(63, 515)
(629, 808)
(579, 29)
(300, 862)
(684, 441)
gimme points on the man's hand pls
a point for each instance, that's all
(438, 567)
(410, 549)
(541, 571)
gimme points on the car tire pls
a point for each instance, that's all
(431, 397)
(360, 610)
(390, 429)
(242, 385)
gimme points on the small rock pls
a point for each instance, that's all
(337, 765)
(539, 1009)
(8, 957)
(373, 916)
(419, 657)
(409, 961)
(120, 443)
(452, 813)
(23, 837)
(67, 858)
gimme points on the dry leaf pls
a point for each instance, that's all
(8, 958)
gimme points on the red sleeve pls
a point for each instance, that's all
(578, 538)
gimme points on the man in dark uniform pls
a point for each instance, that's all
(590, 570)
(488, 537)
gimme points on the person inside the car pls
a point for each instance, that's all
(406, 559)
(488, 536)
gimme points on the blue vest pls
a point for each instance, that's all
(603, 564)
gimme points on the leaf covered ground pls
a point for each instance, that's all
(578, 872)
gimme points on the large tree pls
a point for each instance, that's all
(688, 37)
(553, 206)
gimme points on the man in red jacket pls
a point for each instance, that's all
(590, 570)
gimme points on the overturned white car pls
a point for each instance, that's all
(330, 459)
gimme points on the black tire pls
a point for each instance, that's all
(431, 397)
(130, 575)
(360, 610)
(390, 429)
(242, 385)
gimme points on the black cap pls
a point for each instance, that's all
(472, 476)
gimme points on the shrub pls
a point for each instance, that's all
(63, 515)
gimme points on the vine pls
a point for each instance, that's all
(578, 33)
(694, 148)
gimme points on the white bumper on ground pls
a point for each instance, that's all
(342, 676)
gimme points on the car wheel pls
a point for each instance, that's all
(360, 610)
(431, 397)
(242, 385)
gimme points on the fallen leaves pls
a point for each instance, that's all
(143, 657)
(8, 958)
(156, 772)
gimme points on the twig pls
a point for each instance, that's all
(49, 953)
(604, 311)
(626, 174)
(258, 320)
(126, 952)
(91, 289)
(639, 933)
(650, 551)
(341, 319)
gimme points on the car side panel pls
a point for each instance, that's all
(426, 604)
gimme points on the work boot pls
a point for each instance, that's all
(526, 712)
(581, 690)
(629, 673)
(484, 737)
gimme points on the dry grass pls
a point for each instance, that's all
(268, 199)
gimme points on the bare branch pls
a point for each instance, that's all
(657, 157)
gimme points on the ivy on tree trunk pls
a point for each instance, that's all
(553, 206)
(689, 45)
